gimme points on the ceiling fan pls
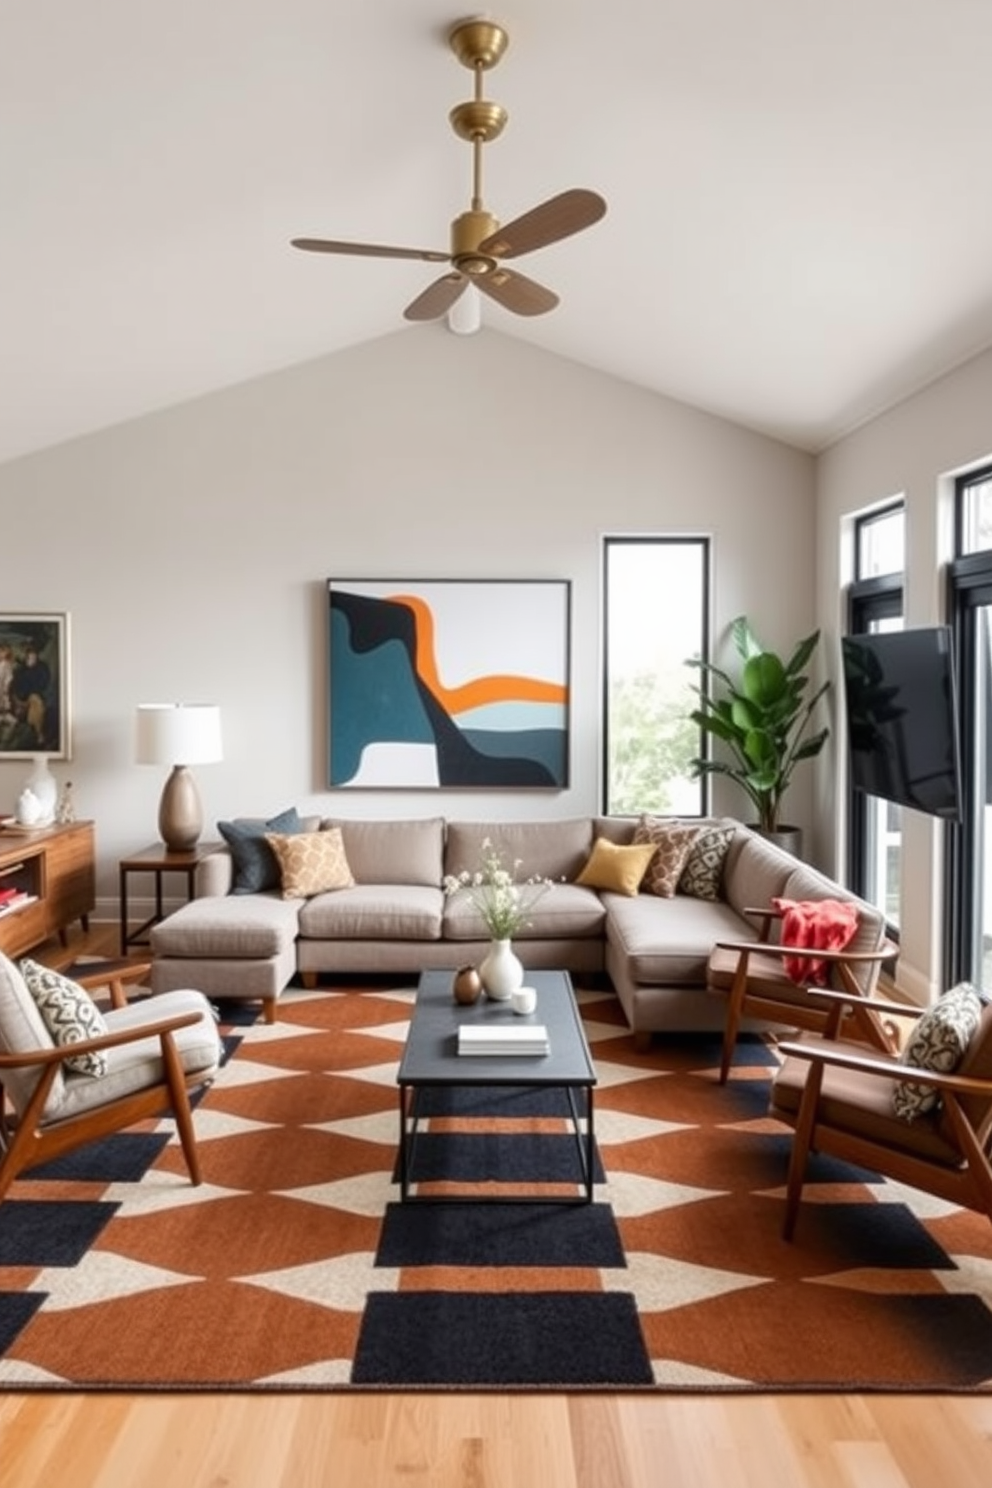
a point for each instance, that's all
(479, 245)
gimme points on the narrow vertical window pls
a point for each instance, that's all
(654, 619)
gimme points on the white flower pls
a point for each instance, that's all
(504, 904)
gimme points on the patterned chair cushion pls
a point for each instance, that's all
(939, 1042)
(311, 862)
(69, 1014)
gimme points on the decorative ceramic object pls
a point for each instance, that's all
(467, 985)
(28, 810)
(501, 970)
(524, 1001)
(44, 787)
(65, 810)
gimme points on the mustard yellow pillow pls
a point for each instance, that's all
(616, 867)
(310, 862)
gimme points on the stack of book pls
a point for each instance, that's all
(13, 898)
(502, 1038)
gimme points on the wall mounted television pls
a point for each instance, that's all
(902, 718)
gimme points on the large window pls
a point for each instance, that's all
(969, 914)
(875, 603)
(655, 608)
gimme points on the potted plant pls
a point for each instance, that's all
(764, 719)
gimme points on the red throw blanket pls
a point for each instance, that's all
(819, 924)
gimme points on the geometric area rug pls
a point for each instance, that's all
(295, 1267)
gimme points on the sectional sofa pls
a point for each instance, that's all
(234, 940)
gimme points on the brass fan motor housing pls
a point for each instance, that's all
(468, 230)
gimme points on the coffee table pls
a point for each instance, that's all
(431, 1060)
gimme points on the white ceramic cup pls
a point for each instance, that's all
(523, 1000)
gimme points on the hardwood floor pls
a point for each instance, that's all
(488, 1441)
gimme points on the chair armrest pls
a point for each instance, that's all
(60, 1052)
(877, 1004)
(885, 952)
(115, 976)
(828, 1051)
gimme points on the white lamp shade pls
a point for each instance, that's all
(178, 734)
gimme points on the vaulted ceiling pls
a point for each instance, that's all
(799, 225)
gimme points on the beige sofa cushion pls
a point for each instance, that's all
(240, 925)
(565, 912)
(667, 942)
(544, 849)
(393, 852)
(374, 912)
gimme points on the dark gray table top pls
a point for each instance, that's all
(431, 1055)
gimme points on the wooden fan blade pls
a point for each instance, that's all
(369, 250)
(437, 298)
(557, 218)
(516, 292)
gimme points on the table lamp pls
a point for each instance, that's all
(180, 735)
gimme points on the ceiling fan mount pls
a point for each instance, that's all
(478, 243)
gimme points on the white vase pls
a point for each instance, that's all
(44, 787)
(501, 971)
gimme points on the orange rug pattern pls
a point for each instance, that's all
(259, 1278)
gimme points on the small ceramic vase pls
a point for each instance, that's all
(467, 985)
(501, 971)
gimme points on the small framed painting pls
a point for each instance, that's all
(34, 686)
(448, 683)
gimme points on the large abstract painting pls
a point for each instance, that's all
(448, 683)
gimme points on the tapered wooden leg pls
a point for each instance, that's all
(805, 1123)
(180, 1106)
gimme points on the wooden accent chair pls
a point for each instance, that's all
(752, 976)
(839, 1099)
(154, 1051)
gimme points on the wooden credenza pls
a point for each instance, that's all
(55, 868)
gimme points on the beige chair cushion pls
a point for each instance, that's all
(134, 1066)
(22, 1030)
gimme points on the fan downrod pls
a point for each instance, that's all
(478, 45)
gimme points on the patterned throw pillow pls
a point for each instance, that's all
(255, 867)
(703, 871)
(620, 868)
(673, 842)
(69, 1014)
(939, 1042)
(311, 862)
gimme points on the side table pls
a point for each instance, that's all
(159, 861)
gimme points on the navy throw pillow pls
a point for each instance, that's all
(255, 865)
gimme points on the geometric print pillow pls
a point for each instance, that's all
(703, 869)
(939, 1042)
(69, 1014)
(311, 863)
(673, 841)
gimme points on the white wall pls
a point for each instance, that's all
(914, 450)
(191, 550)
